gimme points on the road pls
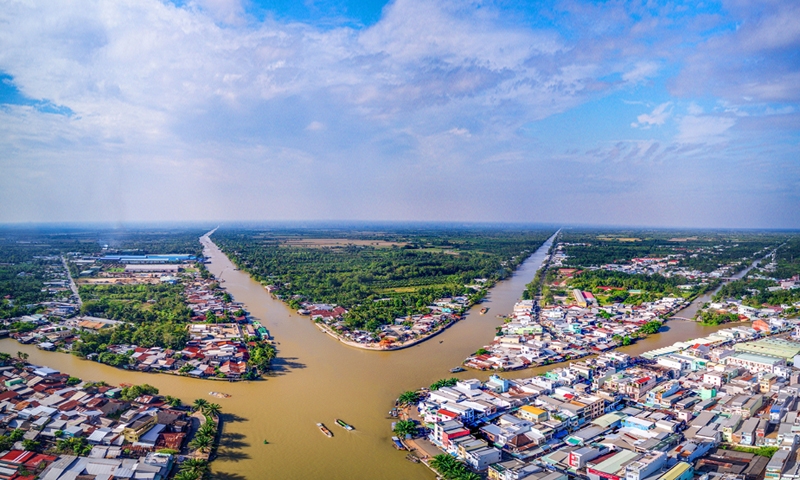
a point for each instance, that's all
(72, 282)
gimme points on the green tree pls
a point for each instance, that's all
(408, 398)
(405, 427)
(194, 468)
(202, 443)
(199, 404)
(73, 381)
(212, 410)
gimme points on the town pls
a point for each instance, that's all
(218, 340)
(725, 406)
(55, 426)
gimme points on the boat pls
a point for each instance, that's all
(220, 394)
(324, 429)
(484, 310)
(398, 444)
(265, 442)
(456, 370)
(344, 424)
(412, 458)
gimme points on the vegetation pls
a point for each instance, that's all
(450, 468)
(73, 446)
(703, 251)
(707, 317)
(651, 327)
(140, 303)
(166, 335)
(408, 398)
(653, 287)
(405, 427)
(193, 469)
(445, 382)
(762, 451)
(377, 276)
(134, 391)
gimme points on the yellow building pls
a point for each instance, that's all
(533, 414)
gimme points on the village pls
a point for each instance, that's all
(531, 337)
(402, 332)
(220, 337)
(54, 426)
(723, 407)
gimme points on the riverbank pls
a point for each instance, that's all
(416, 330)
(387, 348)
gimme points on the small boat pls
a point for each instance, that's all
(456, 370)
(344, 424)
(412, 458)
(220, 394)
(265, 442)
(398, 444)
(324, 429)
(484, 310)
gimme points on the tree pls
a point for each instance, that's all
(212, 410)
(201, 442)
(408, 398)
(445, 382)
(481, 351)
(194, 468)
(30, 445)
(199, 404)
(207, 429)
(73, 381)
(135, 391)
(17, 435)
(405, 427)
(172, 401)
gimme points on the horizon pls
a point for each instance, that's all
(369, 224)
(674, 115)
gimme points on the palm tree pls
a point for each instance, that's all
(208, 429)
(212, 410)
(185, 476)
(195, 468)
(201, 442)
(200, 404)
(408, 397)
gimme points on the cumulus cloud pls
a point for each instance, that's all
(214, 99)
(657, 117)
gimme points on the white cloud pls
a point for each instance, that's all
(694, 109)
(640, 72)
(658, 116)
(703, 129)
(314, 126)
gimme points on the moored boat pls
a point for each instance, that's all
(344, 424)
(398, 444)
(484, 310)
(220, 394)
(324, 429)
(456, 370)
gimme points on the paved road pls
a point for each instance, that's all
(72, 282)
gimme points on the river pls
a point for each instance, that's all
(318, 379)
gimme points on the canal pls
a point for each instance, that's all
(318, 379)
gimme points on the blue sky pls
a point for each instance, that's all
(628, 113)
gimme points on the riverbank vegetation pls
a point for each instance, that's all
(615, 287)
(378, 275)
(451, 469)
(704, 251)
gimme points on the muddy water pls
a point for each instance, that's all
(318, 379)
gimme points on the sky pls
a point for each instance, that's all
(669, 114)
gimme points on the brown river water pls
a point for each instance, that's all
(318, 379)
